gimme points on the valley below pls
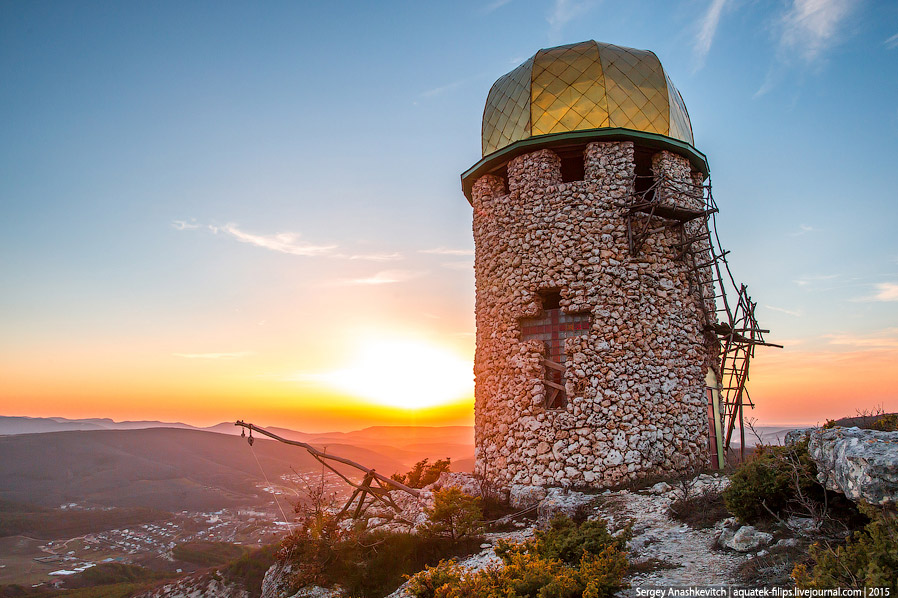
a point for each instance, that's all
(174, 499)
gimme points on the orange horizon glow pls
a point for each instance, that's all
(792, 387)
(789, 387)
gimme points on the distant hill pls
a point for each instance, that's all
(40, 425)
(163, 468)
(768, 434)
(405, 444)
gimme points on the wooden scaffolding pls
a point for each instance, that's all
(727, 310)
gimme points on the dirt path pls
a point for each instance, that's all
(685, 556)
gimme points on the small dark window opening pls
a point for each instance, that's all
(645, 178)
(551, 299)
(572, 168)
(502, 173)
(552, 327)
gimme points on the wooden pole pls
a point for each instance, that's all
(322, 455)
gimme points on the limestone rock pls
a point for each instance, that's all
(522, 497)
(745, 539)
(318, 592)
(661, 488)
(276, 583)
(795, 436)
(861, 464)
(802, 525)
(465, 482)
(575, 505)
(197, 585)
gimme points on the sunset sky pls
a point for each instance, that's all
(216, 211)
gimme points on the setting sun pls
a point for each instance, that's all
(408, 373)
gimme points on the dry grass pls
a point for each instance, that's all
(649, 566)
(700, 511)
(773, 569)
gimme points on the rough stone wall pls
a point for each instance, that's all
(635, 383)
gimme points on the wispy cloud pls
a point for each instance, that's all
(437, 91)
(234, 355)
(810, 27)
(281, 242)
(892, 42)
(495, 5)
(796, 313)
(288, 242)
(458, 265)
(184, 225)
(805, 32)
(563, 12)
(706, 32)
(447, 251)
(770, 80)
(371, 257)
(804, 229)
(885, 291)
(812, 278)
(886, 339)
(383, 277)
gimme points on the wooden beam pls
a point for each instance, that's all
(554, 365)
(551, 384)
(316, 453)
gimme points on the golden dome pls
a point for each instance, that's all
(580, 87)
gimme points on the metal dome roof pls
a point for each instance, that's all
(581, 87)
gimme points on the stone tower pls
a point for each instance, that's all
(593, 347)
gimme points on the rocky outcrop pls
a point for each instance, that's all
(276, 583)
(794, 436)
(524, 497)
(205, 585)
(318, 592)
(745, 539)
(465, 482)
(861, 464)
(575, 505)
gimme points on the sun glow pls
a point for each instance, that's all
(407, 373)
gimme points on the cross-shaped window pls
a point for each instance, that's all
(552, 327)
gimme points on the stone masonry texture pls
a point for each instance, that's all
(635, 383)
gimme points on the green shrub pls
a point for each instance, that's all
(869, 559)
(565, 561)
(886, 423)
(207, 554)
(440, 578)
(364, 563)
(423, 473)
(567, 541)
(527, 575)
(110, 573)
(777, 477)
(455, 515)
(250, 569)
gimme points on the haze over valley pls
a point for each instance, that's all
(75, 493)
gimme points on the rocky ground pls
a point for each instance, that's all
(715, 550)
(672, 552)
(664, 552)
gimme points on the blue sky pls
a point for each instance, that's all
(226, 194)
